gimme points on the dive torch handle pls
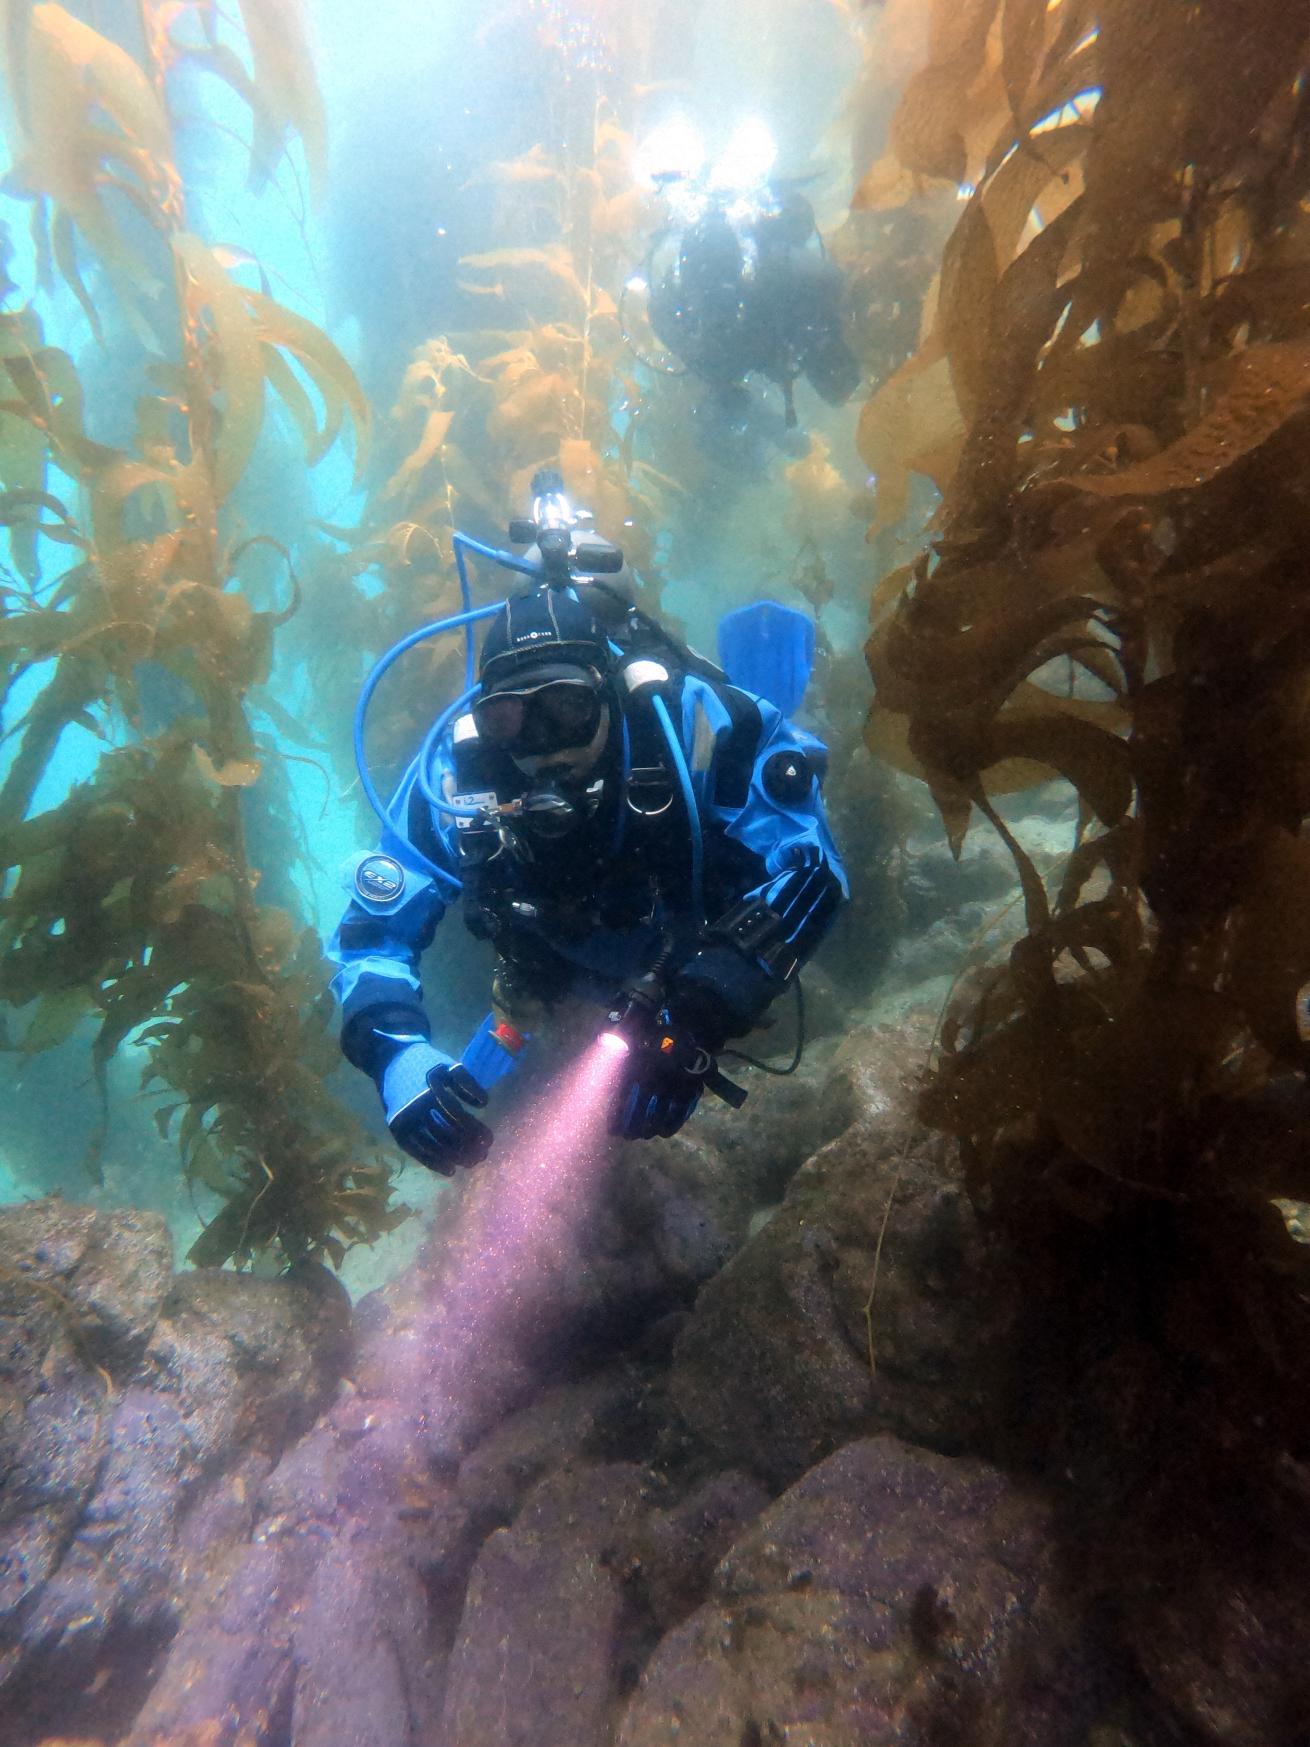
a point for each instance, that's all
(722, 1087)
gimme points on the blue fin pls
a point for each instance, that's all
(486, 1058)
(768, 649)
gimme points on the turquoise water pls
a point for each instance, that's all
(831, 1419)
(425, 119)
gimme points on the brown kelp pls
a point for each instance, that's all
(1111, 393)
(132, 902)
(548, 380)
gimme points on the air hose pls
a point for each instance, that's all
(456, 623)
(464, 621)
(689, 803)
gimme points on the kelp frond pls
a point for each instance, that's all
(132, 903)
(1113, 398)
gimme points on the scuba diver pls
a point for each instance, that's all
(741, 285)
(623, 823)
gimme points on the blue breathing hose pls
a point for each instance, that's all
(374, 679)
(506, 560)
(463, 620)
(689, 802)
(431, 794)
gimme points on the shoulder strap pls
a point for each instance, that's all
(640, 634)
(652, 788)
(736, 759)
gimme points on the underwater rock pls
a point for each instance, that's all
(138, 1415)
(537, 1441)
(672, 1212)
(1226, 1650)
(772, 1368)
(250, 1361)
(53, 1419)
(113, 1269)
(366, 1669)
(679, 1546)
(539, 1655)
(782, 1123)
(892, 1596)
(117, 1577)
(671, 1216)
(541, 1438)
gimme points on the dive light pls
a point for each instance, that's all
(636, 1024)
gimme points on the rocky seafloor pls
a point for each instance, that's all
(723, 1469)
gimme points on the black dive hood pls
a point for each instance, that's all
(544, 630)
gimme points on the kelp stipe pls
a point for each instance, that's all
(133, 901)
(1114, 398)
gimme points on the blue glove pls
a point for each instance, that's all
(424, 1094)
(660, 1089)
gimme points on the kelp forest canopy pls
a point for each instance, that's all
(131, 902)
(189, 609)
(1076, 256)
(1111, 394)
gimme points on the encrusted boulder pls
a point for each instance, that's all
(671, 1215)
(116, 1583)
(539, 1658)
(782, 1123)
(891, 1597)
(248, 1361)
(54, 1415)
(139, 1413)
(110, 1270)
(678, 1546)
(860, 1307)
(1216, 1614)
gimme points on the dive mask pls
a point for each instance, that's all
(534, 721)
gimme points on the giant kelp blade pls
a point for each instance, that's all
(1097, 764)
(927, 130)
(1023, 35)
(63, 243)
(210, 299)
(1262, 388)
(284, 75)
(912, 424)
(75, 75)
(295, 398)
(15, 30)
(22, 443)
(325, 366)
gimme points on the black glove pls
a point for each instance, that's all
(661, 1087)
(424, 1094)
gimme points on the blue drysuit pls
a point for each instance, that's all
(756, 782)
